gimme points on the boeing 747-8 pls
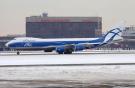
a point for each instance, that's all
(64, 45)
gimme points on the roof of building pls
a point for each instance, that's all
(45, 18)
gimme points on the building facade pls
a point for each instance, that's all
(129, 37)
(63, 27)
(129, 32)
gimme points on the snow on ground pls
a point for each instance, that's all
(56, 59)
(85, 74)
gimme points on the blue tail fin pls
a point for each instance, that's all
(113, 34)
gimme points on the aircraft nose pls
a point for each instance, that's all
(7, 44)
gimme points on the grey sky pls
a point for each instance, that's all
(13, 12)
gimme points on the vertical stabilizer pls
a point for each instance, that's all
(114, 34)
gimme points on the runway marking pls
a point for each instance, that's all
(87, 53)
(68, 65)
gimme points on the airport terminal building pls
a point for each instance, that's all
(63, 27)
(129, 37)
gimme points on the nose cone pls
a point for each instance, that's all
(7, 44)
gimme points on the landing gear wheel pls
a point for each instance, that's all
(18, 53)
(60, 52)
(68, 52)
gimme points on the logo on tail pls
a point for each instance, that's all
(113, 35)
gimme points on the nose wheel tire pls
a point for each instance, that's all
(18, 53)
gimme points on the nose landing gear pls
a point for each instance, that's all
(18, 53)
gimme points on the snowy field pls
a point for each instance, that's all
(78, 58)
(95, 69)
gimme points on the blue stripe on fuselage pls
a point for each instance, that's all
(53, 43)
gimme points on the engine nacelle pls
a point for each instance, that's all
(50, 49)
(60, 50)
(80, 47)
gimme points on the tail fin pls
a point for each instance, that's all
(114, 34)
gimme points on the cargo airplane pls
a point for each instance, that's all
(64, 45)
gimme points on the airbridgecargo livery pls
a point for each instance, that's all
(64, 45)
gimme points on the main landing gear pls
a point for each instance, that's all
(68, 51)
